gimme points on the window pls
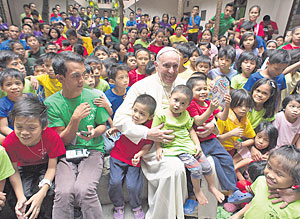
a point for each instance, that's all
(203, 15)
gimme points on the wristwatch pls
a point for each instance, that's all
(44, 182)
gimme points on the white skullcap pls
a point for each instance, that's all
(166, 49)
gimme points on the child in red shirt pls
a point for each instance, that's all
(125, 160)
(157, 43)
(33, 149)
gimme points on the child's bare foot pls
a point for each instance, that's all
(219, 195)
(201, 197)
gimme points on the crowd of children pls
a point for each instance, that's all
(257, 127)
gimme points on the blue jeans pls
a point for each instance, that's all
(134, 182)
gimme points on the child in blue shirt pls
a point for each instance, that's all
(278, 61)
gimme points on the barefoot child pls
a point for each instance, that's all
(186, 144)
(204, 111)
(33, 149)
(282, 172)
(125, 161)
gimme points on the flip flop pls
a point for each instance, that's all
(189, 206)
(229, 207)
(238, 197)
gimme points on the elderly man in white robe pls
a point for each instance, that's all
(167, 186)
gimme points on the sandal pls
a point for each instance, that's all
(138, 213)
(238, 197)
(189, 206)
(229, 207)
(119, 212)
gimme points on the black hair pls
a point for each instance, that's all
(65, 43)
(294, 29)
(184, 49)
(97, 32)
(92, 59)
(108, 63)
(266, 18)
(105, 38)
(247, 25)
(153, 19)
(195, 48)
(271, 131)
(127, 55)
(137, 47)
(54, 9)
(228, 5)
(26, 18)
(12, 73)
(30, 106)
(101, 48)
(12, 43)
(88, 69)
(141, 30)
(95, 41)
(247, 56)
(271, 41)
(245, 37)
(35, 13)
(150, 67)
(147, 100)
(132, 30)
(256, 169)
(184, 90)
(240, 97)
(196, 6)
(70, 32)
(279, 37)
(206, 44)
(142, 49)
(26, 25)
(57, 31)
(265, 55)
(199, 76)
(29, 35)
(289, 160)
(75, 8)
(170, 30)
(288, 99)
(6, 57)
(112, 74)
(25, 6)
(173, 17)
(60, 60)
(79, 49)
(255, 6)
(270, 104)
(228, 52)
(49, 44)
(280, 56)
(203, 59)
(48, 56)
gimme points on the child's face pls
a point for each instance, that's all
(152, 57)
(142, 58)
(261, 94)
(193, 58)
(276, 176)
(279, 41)
(48, 68)
(159, 37)
(224, 63)
(17, 64)
(249, 42)
(122, 79)
(19, 49)
(144, 34)
(178, 103)
(89, 80)
(261, 140)
(241, 111)
(38, 70)
(124, 40)
(26, 30)
(114, 55)
(292, 111)
(272, 45)
(200, 91)
(131, 62)
(101, 54)
(166, 41)
(248, 67)
(97, 68)
(13, 87)
(178, 31)
(203, 67)
(140, 113)
(223, 41)
(205, 50)
(53, 34)
(276, 69)
(28, 130)
(72, 40)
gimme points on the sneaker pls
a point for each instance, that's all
(238, 197)
(119, 212)
(138, 213)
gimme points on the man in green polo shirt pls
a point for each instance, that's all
(226, 21)
(72, 111)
